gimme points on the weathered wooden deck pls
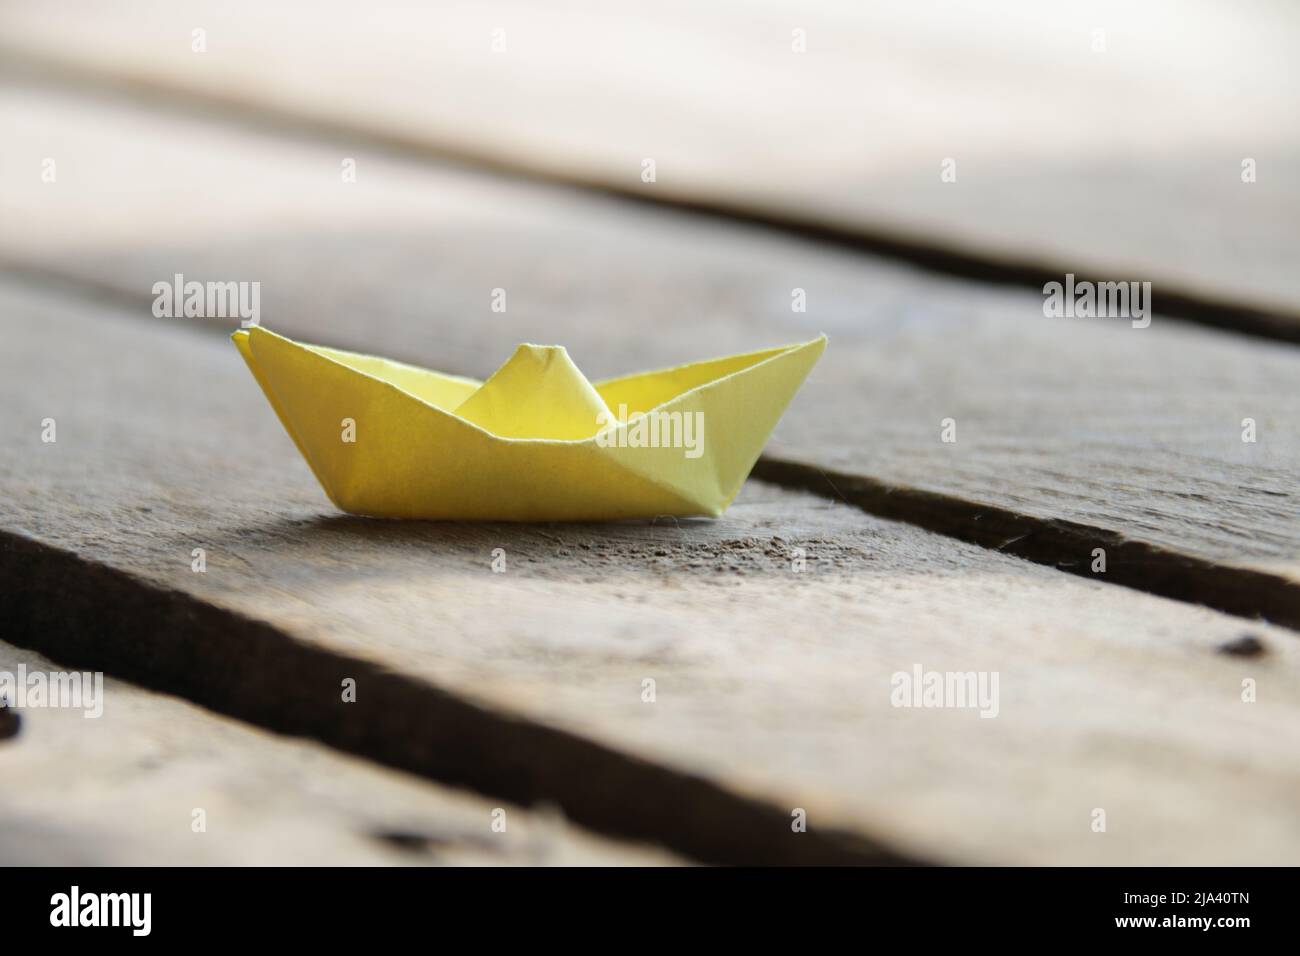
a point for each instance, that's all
(862, 546)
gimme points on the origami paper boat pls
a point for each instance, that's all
(536, 441)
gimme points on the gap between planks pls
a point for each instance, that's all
(148, 763)
(1058, 543)
(924, 253)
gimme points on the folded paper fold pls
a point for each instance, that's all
(536, 442)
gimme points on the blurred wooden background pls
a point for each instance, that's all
(919, 170)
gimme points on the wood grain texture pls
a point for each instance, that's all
(121, 789)
(772, 686)
(1121, 163)
(1134, 432)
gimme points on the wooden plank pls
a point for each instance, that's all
(122, 788)
(772, 686)
(1133, 434)
(1119, 163)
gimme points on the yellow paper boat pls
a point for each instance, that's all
(536, 441)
